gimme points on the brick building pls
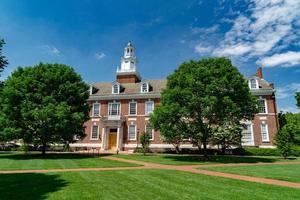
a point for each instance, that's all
(120, 110)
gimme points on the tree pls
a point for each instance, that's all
(145, 142)
(206, 94)
(298, 99)
(227, 136)
(44, 104)
(284, 140)
(3, 60)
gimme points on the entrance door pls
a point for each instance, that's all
(112, 140)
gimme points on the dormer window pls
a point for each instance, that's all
(116, 88)
(253, 84)
(145, 87)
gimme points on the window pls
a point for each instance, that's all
(94, 135)
(116, 89)
(132, 108)
(149, 107)
(114, 109)
(261, 103)
(131, 132)
(264, 132)
(145, 87)
(253, 84)
(96, 110)
(149, 130)
(247, 136)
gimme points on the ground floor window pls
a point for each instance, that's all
(264, 132)
(131, 132)
(247, 135)
(149, 130)
(95, 132)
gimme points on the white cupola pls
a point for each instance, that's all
(128, 61)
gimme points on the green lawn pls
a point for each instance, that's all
(135, 184)
(173, 159)
(14, 161)
(280, 172)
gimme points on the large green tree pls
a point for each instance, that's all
(298, 99)
(3, 60)
(203, 95)
(44, 104)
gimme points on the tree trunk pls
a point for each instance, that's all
(205, 150)
(177, 149)
(44, 148)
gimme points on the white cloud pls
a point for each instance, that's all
(287, 91)
(100, 55)
(203, 30)
(202, 49)
(50, 49)
(287, 59)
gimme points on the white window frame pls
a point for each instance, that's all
(152, 131)
(266, 105)
(146, 113)
(267, 132)
(256, 83)
(130, 107)
(142, 87)
(99, 110)
(252, 135)
(113, 88)
(91, 138)
(135, 130)
(119, 110)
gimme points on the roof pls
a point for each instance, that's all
(105, 88)
(263, 84)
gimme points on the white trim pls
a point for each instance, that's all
(135, 130)
(91, 138)
(85, 145)
(93, 109)
(147, 114)
(183, 146)
(132, 119)
(152, 131)
(267, 132)
(129, 108)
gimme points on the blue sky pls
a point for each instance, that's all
(90, 36)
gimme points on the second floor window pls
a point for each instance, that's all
(261, 103)
(149, 107)
(114, 109)
(132, 108)
(96, 109)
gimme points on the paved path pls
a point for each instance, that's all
(185, 168)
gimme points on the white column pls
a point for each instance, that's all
(118, 139)
(103, 139)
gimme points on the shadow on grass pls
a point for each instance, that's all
(49, 156)
(220, 159)
(29, 186)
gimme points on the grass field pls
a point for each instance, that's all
(289, 172)
(15, 161)
(173, 159)
(135, 184)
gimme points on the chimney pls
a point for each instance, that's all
(259, 72)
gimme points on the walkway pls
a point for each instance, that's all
(185, 168)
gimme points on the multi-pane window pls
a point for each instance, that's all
(94, 134)
(261, 103)
(116, 89)
(145, 87)
(96, 109)
(114, 109)
(132, 108)
(247, 136)
(149, 107)
(131, 132)
(253, 84)
(264, 132)
(149, 131)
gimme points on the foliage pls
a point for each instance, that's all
(298, 99)
(44, 104)
(284, 140)
(145, 141)
(227, 136)
(3, 60)
(200, 96)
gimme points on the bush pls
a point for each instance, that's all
(255, 151)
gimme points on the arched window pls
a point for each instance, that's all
(253, 84)
(116, 88)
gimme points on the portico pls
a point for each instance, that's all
(112, 134)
